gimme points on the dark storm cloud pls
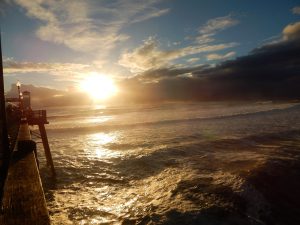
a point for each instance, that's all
(169, 72)
(268, 72)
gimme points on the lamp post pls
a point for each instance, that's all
(18, 84)
(20, 96)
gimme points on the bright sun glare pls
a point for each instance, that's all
(98, 86)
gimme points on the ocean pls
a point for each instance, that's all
(175, 163)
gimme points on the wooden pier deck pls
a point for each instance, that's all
(24, 201)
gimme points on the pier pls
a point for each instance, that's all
(22, 197)
(23, 200)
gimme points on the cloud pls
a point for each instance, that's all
(62, 71)
(296, 10)
(219, 56)
(192, 60)
(149, 56)
(213, 26)
(217, 24)
(88, 26)
(271, 71)
(292, 31)
(150, 15)
(170, 72)
(41, 96)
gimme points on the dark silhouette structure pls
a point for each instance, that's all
(4, 145)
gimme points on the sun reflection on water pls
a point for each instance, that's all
(96, 145)
(98, 119)
(103, 138)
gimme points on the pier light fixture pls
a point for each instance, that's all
(18, 84)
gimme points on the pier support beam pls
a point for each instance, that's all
(47, 148)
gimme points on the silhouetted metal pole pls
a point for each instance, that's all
(4, 145)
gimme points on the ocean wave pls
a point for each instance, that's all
(184, 178)
(66, 113)
(88, 127)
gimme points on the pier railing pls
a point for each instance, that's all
(23, 200)
(36, 117)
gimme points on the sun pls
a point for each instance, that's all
(98, 86)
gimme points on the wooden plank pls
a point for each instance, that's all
(23, 201)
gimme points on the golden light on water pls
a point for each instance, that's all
(102, 138)
(97, 120)
(99, 86)
(97, 144)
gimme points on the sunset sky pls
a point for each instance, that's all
(167, 43)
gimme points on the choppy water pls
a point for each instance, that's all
(208, 163)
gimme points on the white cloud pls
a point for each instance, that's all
(219, 56)
(217, 24)
(192, 60)
(62, 71)
(88, 26)
(205, 38)
(153, 14)
(150, 56)
(212, 26)
(296, 10)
